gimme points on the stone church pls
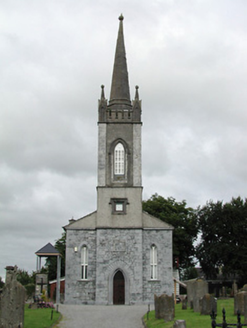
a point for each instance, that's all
(118, 254)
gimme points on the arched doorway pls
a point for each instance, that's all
(118, 288)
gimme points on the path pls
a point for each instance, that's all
(102, 316)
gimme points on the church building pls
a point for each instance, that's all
(118, 254)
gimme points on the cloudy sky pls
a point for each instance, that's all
(188, 58)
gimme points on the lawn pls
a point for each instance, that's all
(195, 320)
(40, 318)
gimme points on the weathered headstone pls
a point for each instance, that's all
(179, 324)
(184, 304)
(234, 289)
(208, 303)
(13, 301)
(239, 302)
(164, 307)
(200, 288)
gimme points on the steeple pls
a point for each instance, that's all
(120, 94)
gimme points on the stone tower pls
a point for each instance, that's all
(119, 149)
(118, 254)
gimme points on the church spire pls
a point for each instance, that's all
(120, 94)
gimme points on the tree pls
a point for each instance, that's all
(183, 220)
(51, 262)
(24, 277)
(223, 244)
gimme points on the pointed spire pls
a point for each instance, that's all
(120, 82)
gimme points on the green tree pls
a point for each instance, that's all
(223, 243)
(51, 262)
(183, 219)
(24, 277)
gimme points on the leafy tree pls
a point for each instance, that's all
(24, 277)
(189, 273)
(223, 243)
(51, 262)
(183, 220)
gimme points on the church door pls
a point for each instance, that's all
(118, 288)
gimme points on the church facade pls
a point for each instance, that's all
(118, 254)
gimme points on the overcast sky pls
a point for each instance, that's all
(188, 58)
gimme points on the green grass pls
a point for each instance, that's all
(194, 319)
(39, 318)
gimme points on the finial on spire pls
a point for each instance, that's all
(102, 92)
(121, 18)
(137, 93)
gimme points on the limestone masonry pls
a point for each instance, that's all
(118, 254)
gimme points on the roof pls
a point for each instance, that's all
(89, 222)
(48, 250)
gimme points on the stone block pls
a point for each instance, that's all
(179, 324)
(208, 303)
(164, 307)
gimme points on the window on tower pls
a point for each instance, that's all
(119, 155)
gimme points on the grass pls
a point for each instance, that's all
(194, 319)
(39, 318)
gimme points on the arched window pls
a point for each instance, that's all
(84, 262)
(119, 159)
(153, 262)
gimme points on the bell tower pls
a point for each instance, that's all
(119, 190)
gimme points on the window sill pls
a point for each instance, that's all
(84, 280)
(153, 280)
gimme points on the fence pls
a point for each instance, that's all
(224, 324)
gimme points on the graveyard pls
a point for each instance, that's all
(194, 319)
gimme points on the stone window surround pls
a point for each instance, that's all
(115, 201)
(119, 178)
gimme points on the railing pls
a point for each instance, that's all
(224, 324)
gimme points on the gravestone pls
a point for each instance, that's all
(199, 289)
(179, 324)
(234, 289)
(184, 304)
(164, 307)
(13, 301)
(208, 303)
(240, 301)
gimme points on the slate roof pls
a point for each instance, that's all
(48, 250)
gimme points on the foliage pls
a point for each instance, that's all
(51, 262)
(189, 273)
(223, 245)
(30, 289)
(183, 219)
(194, 319)
(40, 318)
(24, 277)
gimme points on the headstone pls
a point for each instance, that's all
(239, 302)
(184, 304)
(164, 307)
(234, 289)
(200, 288)
(208, 303)
(13, 301)
(179, 324)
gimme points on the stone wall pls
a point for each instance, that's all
(164, 284)
(78, 291)
(119, 249)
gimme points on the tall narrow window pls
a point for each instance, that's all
(119, 159)
(84, 262)
(153, 262)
